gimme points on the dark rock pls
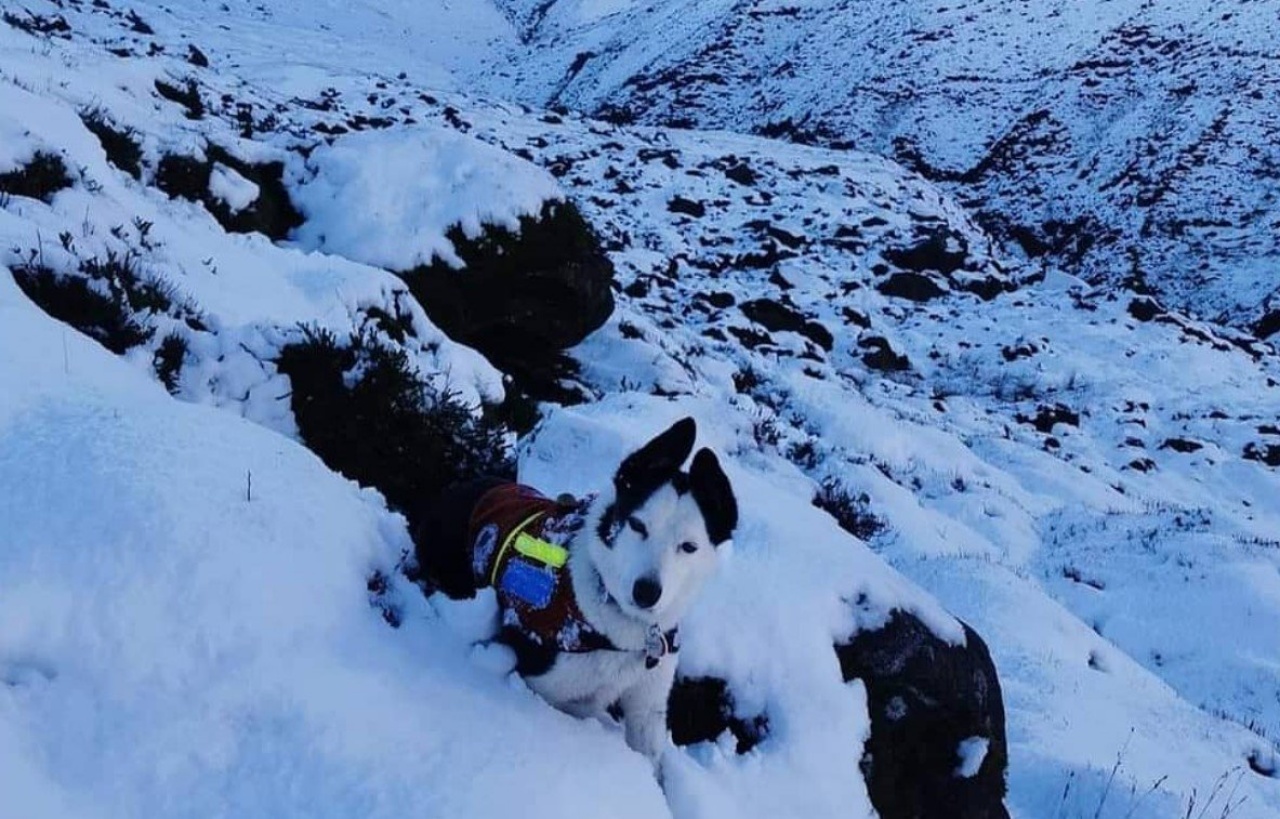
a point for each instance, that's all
(751, 339)
(1028, 240)
(775, 316)
(720, 299)
(818, 334)
(1268, 454)
(1268, 325)
(742, 174)
(688, 207)
(137, 25)
(1182, 445)
(523, 296)
(852, 316)
(1047, 417)
(789, 240)
(925, 697)
(932, 253)
(197, 57)
(779, 281)
(54, 25)
(881, 356)
(913, 286)
(700, 709)
(987, 288)
(1017, 351)
(1145, 309)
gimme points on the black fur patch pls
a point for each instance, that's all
(714, 496)
(532, 659)
(654, 464)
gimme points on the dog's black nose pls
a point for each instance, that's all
(646, 592)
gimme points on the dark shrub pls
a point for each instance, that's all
(362, 407)
(54, 25)
(183, 177)
(107, 299)
(41, 178)
(523, 296)
(188, 96)
(168, 360)
(100, 312)
(852, 513)
(120, 144)
(913, 286)
(271, 214)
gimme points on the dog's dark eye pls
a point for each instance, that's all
(688, 547)
(638, 527)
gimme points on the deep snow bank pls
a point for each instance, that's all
(185, 631)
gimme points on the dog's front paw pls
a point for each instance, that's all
(648, 738)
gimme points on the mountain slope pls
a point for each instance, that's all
(1127, 141)
(1077, 474)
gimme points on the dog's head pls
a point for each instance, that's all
(658, 535)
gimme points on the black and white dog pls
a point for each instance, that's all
(591, 592)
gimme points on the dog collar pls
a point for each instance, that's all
(658, 644)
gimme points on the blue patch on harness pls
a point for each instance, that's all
(528, 583)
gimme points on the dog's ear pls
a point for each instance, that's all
(714, 496)
(644, 470)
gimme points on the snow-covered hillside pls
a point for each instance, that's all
(1121, 141)
(1087, 479)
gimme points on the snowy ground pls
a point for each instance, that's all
(1127, 136)
(216, 655)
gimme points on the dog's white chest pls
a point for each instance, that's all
(591, 682)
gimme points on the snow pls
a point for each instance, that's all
(232, 189)
(1138, 128)
(388, 198)
(971, 753)
(169, 646)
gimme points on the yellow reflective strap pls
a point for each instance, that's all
(549, 553)
(513, 535)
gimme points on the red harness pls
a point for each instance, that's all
(519, 540)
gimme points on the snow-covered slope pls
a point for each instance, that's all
(1079, 475)
(184, 629)
(1122, 139)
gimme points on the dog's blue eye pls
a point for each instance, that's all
(688, 548)
(638, 527)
